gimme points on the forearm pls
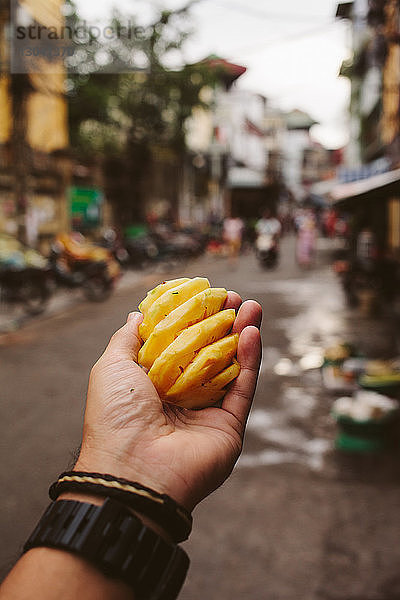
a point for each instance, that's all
(56, 575)
(51, 574)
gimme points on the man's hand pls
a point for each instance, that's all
(130, 433)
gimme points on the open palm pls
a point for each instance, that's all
(129, 433)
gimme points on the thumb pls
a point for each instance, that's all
(126, 342)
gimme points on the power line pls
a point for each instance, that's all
(255, 12)
(282, 40)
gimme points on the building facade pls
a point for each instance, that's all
(43, 190)
(372, 188)
(374, 73)
(227, 146)
(33, 133)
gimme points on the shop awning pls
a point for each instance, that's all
(243, 177)
(323, 188)
(358, 189)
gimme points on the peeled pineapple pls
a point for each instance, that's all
(188, 349)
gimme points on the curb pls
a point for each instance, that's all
(60, 302)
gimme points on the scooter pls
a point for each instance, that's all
(267, 251)
(27, 286)
(24, 276)
(142, 251)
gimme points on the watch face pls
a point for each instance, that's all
(116, 542)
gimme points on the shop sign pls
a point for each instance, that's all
(349, 174)
(86, 207)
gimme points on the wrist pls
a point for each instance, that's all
(96, 461)
(170, 519)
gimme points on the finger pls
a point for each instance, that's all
(250, 313)
(126, 342)
(233, 300)
(240, 396)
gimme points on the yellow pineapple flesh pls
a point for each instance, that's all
(188, 350)
(197, 308)
(209, 361)
(176, 357)
(170, 299)
(208, 393)
(155, 293)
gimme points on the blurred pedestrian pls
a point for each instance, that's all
(306, 240)
(269, 225)
(367, 249)
(232, 235)
(330, 223)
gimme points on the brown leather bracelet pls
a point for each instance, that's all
(160, 508)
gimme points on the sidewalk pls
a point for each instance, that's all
(13, 317)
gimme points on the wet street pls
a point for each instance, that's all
(296, 520)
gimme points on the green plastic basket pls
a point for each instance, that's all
(370, 436)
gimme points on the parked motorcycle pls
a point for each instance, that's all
(267, 251)
(23, 276)
(174, 246)
(76, 263)
(379, 279)
(142, 251)
(162, 245)
(113, 243)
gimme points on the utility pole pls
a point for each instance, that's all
(20, 88)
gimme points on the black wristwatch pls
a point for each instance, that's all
(116, 542)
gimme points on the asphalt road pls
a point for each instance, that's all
(296, 520)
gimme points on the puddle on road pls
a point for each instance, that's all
(273, 361)
(277, 457)
(319, 322)
(312, 360)
(311, 330)
(270, 357)
(289, 443)
(287, 368)
(298, 403)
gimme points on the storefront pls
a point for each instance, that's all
(248, 195)
(373, 203)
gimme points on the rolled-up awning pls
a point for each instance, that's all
(243, 177)
(357, 189)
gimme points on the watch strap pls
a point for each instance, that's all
(160, 508)
(115, 541)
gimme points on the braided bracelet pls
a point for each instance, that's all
(162, 509)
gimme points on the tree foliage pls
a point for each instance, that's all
(121, 93)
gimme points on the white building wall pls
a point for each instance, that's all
(359, 21)
(359, 33)
(231, 110)
(199, 130)
(234, 108)
(294, 144)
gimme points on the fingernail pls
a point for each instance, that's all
(133, 315)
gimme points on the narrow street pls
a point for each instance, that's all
(296, 520)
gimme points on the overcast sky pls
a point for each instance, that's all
(292, 50)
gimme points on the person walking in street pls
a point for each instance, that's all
(306, 240)
(232, 235)
(113, 529)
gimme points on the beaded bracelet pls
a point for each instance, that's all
(162, 509)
